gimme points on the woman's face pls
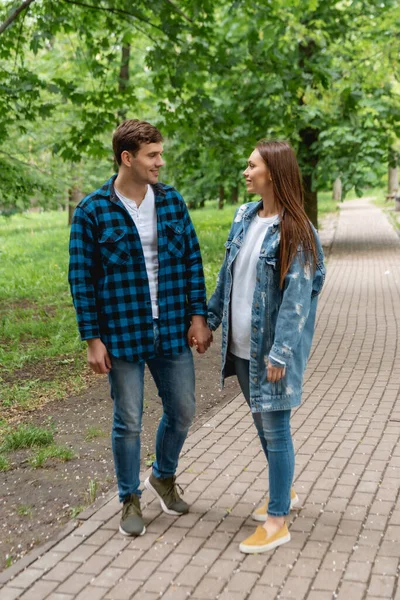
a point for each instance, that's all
(258, 177)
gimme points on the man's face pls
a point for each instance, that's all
(145, 166)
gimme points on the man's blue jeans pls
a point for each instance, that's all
(174, 377)
(273, 429)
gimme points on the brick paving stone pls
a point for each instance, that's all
(124, 590)
(74, 584)
(263, 592)
(274, 576)
(91, 593)
(27, 577)
(350, 589)
(327, 580)
(49, 560)
(61, 571)
(141, 570)
(108, 577)
(39, 590)
(10, 593)
(95, 564)
(208, 589)
(356, 571)
(306, 567)
(191, 575)
(126, 559)
(158, 582)
(175, 562)
(177, 593)
(312, 595)
(295, 588)
(231, 595)
(382, 586)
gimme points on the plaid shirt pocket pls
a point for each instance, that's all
(176, 238)
(114, 249)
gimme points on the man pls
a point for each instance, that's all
(138, 288)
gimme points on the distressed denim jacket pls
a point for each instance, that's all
(282, 320)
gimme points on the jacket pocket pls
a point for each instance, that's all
(176, 238)
(114, 246)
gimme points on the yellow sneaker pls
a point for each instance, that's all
(260, 542)
(260, 514)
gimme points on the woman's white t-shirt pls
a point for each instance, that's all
(244, 283)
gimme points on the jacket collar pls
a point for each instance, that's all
(109, 191)
(253, 209)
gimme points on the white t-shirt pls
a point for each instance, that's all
(244, 283)
(145, 219)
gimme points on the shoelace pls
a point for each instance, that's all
(130, 509)
(173, 491)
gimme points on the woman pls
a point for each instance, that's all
(266, 299)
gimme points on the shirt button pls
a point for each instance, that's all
(258, 280)
(254, 354)
(256, 305)
(255, 379)
(255, 329)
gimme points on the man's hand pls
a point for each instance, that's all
(199, 335)
(275, 374)
(98, 358)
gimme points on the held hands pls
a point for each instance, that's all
(98, 358)
(199, 335)
(275, 374)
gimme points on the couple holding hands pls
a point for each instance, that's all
(138, 288)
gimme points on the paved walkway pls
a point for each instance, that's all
(346, 535)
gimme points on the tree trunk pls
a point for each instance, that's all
(337, 190)
(235, 195)
(393, 175)
(74, 192)
(307, 154)
(221, 198)
(309, 162)
(124, 76)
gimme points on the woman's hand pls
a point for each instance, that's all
(275, 374)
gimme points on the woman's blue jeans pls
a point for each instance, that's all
(273, 428)
(174, 377)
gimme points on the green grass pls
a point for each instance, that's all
(26, 436)
(24, 510)
(94, 432)
(4, 464)
(388, 209)
(62, 453)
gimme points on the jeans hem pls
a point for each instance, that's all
(280, 514)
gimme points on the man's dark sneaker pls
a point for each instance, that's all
(167, 493)
(131, 522)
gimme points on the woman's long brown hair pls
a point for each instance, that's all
(296, 228)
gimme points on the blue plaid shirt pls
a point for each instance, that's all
(108, 277)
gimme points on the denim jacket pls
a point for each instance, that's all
(282, 320)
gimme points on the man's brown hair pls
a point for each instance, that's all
(130, 134)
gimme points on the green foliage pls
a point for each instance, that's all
(214, 76)
(26, 436)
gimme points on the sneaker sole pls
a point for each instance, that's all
(132, 534)
(165, 508)
(263, 518)
(265, 548)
